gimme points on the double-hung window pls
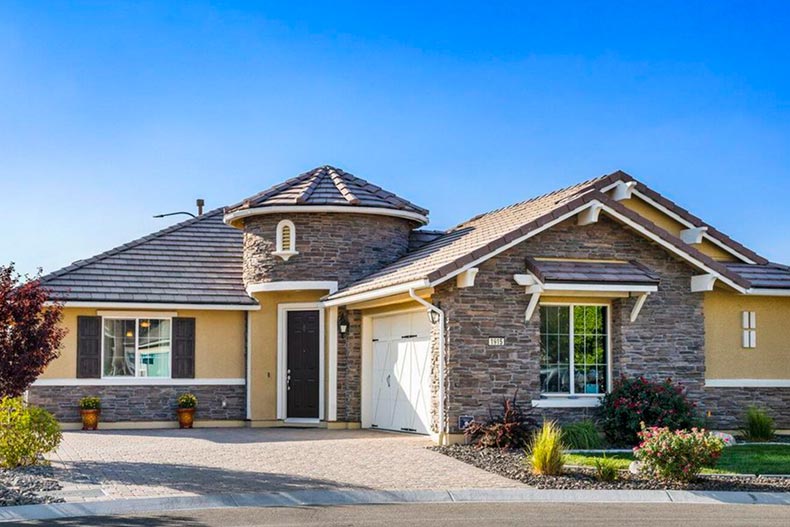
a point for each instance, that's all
(136, 347)
(574, 341)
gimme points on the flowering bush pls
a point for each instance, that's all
(636, 400)
(26, 433)
(90, 403)
(510, 429)
(677, 455)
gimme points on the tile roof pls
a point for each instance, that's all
(768, 276)
(591, 272)
(328, 185)
(488, 232)
(198, 261)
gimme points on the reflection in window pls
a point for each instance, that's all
(574, 353)
(136, 347)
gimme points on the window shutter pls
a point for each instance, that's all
(88, 347)
(183, 348)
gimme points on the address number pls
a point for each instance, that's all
(496, 341)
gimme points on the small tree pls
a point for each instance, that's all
(30, 334)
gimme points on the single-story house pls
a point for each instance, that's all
(323, 301)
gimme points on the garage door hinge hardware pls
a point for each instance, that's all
(409, 429)
(408, 336)
(375, 340)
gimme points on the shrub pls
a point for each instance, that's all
(509, 430)
(26, 433)
(759, 425)
(582, 435)
(90, 403)
(606, 469)
(187, 400)
(636, 400)
(546, 452)
(677, 455)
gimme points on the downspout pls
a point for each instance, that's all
(431, 307)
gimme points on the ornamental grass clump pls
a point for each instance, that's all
(606, 469)
(546, 453)
(677, 455)
(759, 425)
(26, 433)
(582, 435)
(634, 401)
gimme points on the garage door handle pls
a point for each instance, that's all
(388, 380)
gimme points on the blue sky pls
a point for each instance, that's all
(113, 111)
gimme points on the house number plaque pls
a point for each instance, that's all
(496, 341)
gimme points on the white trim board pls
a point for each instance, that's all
(297, 209)
(282, 354)
(747, 383)
(567, 402)
(139, 381)
(144, 305)
(373, 294)
(294, 285)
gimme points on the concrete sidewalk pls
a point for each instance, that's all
(325, 497)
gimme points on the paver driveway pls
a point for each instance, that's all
(122, 464)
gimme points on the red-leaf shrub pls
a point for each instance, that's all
(677, 455)
(509, 430)
(30, 334)
(634, 401)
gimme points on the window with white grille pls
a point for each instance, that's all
(749, 323)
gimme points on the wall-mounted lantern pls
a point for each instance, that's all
(342, 324)
(433, 316)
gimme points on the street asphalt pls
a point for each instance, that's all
(455, 514)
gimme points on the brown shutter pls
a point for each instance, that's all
(88, 347)
(183, 348)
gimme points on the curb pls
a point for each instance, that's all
(319, 497)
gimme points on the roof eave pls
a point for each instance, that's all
(234, 218)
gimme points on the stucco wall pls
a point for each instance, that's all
(219, 343)
(674, 227)
(725, 358)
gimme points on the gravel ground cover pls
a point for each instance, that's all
(511, 465)
(27, 486)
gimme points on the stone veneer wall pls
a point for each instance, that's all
(331, 246)
(727, 406)
(141, 403)
(349, 369)
(667, 340)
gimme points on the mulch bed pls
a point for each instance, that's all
(23, 486)
(510, 464)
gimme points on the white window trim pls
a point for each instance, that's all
(280, 252)
(282, 358)
(137, 320)
(749, 326)
(579, 400)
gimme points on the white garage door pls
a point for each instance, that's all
(401, 388)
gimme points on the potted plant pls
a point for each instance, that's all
(90, 408)
(186, 410)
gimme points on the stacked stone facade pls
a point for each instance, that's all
(142, 403)
(349, 369)
(331, 246)
(667, 340)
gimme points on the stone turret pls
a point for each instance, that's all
(323, 225)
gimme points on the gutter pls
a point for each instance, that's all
(433, 308)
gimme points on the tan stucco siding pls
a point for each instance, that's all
(674, 227)
(725, 358)
(263, 360)
(219, 343)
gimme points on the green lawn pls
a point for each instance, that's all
(740, 459)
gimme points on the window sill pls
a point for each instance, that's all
(567, 402)
(137, 381)
(285, 255)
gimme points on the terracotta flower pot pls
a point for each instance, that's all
(90, 419)
(186, 416)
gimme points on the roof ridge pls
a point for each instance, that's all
(340, 185)
(273, 189)
(79, 264)
(587, 183)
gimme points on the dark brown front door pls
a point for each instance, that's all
(303, 370)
